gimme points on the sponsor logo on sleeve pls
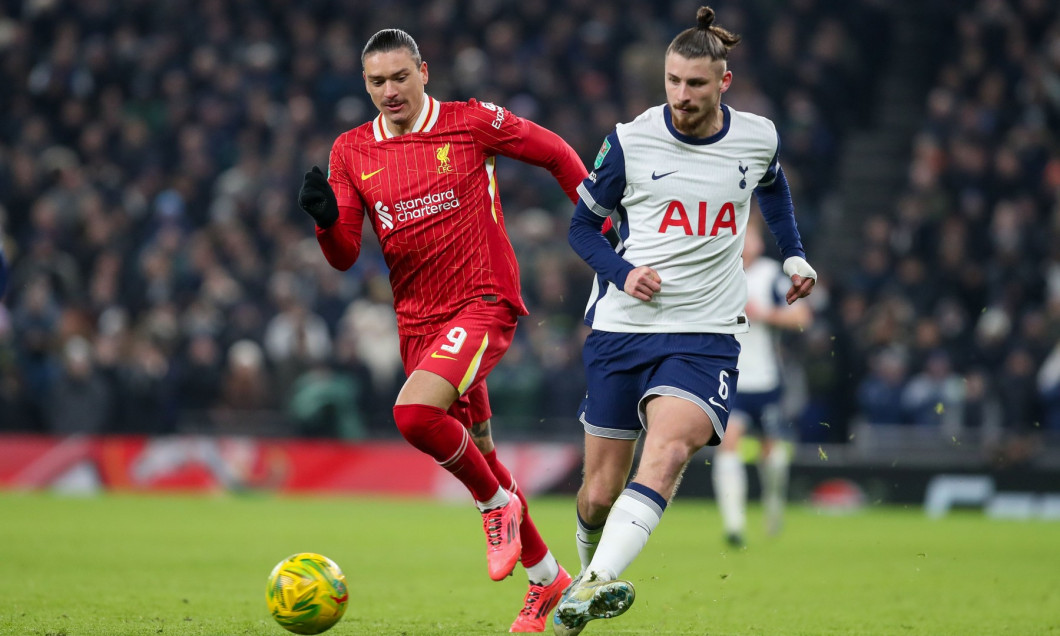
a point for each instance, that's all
(600, 155)
(499, 118)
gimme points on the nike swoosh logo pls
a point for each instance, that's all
(656, 177)
(717, 404)
(440, 355)
(641, 526)
(365, 177)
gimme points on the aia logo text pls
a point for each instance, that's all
(706, 224)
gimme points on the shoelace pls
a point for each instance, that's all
(493, 526)
(532, 597)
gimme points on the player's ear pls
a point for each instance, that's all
(423, 72)
(726, 80)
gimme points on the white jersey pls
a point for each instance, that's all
(683, 204)
(759, 361)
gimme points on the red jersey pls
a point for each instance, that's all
(431, 197)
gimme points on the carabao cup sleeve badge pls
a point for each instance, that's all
(604, 148)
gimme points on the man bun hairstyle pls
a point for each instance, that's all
(705, 39)
(391, 40)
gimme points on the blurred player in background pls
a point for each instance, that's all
(662, 355)
(422, 172)
(757, 403)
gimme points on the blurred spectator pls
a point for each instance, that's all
(295, 337)
(880, 392)
(198, 375)
(326, 403)
(245, 385)
(1049, 389)
(934, 395)
(80, 401)
(983, 414)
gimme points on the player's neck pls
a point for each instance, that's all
(708, 127)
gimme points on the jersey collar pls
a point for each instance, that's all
(726, 118)
(424, 122)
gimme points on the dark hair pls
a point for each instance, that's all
(705, 39)
(391, 40)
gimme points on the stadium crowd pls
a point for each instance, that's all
(164, 280)
(953, 312)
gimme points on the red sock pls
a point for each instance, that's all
(433, 431)
(534, 548)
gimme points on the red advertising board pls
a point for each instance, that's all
(205, 463)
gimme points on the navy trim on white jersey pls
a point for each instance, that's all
(774, 166)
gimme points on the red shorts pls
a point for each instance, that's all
(464, 351)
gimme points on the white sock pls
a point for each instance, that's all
(587, 539)
(636, 513)
(774, 469)
(499, 499)
(545, 572)
(730, 489)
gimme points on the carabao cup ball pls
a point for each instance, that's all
(307, 593)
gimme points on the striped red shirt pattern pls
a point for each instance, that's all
(431, 197)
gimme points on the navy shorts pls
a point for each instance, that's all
(623, 369)
(763, 413)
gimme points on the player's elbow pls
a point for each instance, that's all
(572, 235)
(341, 262)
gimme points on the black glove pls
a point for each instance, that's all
(318, 199)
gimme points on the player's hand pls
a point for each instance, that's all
(642, 283)
(318, 199)
(803, 278)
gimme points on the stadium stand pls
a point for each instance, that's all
(162, 278)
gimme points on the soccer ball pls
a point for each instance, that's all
(307, 593)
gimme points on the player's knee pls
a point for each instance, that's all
(674, 454)
(598, 497)
(418, 422)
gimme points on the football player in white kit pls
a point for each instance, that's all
(757, 403)
(662, 354)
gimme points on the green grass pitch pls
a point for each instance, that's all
(129, 565)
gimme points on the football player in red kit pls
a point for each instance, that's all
(423, 172)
